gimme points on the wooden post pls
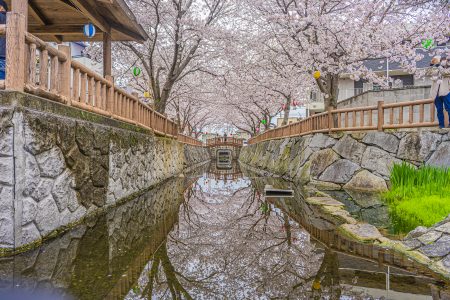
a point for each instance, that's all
(165, 124)
(380, 115)
(65, 73)
(20, 7)
(110, 95)
(134, 107)
(15, 52)
(107, 54)
(43, 69)
(330, 119)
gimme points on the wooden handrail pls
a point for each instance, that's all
(189, 140)
(55, 76)
(357, 119)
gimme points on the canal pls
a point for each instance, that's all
(209, 234)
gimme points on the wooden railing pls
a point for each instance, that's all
(36, 67)
(410, 114)
(224, 141)
(189, 140)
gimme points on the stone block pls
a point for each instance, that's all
(444, 228)
(439, 249)
(6, 232)
(418, 231)
(6, 202)
(340, 172)
(47, 218)
(30, 234)
(350, 149)
(366, 181)
(386, 141)
(379, 161)
(39, 133)
(361, 232)
(417, 147)
(51, 162)
(43, 189)
(29, 210)
(412, 244)
(6, 170)
(441, 157)
(320, 160)
(429, 237)
(6, 141)
(320, 141)
(32, 174)
(63, 192)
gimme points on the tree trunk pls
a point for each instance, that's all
(287, 109)
(330, 90)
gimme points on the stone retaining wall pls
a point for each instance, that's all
(353, 161)
(59, 164)
(114, 244)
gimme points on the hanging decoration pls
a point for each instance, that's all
(89, 30)
(264, 122)
(316, 74)
(428, 43)
(136, 71)
(147, 94)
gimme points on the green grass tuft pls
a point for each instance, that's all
(418, 196)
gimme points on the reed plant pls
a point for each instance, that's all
(418, 196)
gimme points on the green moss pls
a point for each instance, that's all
(418, 197)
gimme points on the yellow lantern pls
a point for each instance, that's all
(316, 285)
(316, 74)
(146, 94)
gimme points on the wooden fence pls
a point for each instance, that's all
(189, 140)
(36, 67)
(224, 141)
(410, 114)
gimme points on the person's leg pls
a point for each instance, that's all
(2, 68)
(447, 106)
(439, 103)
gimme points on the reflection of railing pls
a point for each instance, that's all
(380, 255)
(38, 68)
(225, 141)
(408, 114)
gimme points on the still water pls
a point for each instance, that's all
(210, 234)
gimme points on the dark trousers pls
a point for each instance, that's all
(440, 102)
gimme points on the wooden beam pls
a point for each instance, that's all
(36, 13)
(121, 29)
(56, 29)
(40, 18)
(107, 55)
(92, 14)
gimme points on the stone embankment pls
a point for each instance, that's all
(353, 161)
(100, 252)
(434, 242)
(358, 162)
(59, 164)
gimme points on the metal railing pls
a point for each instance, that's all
(36, 67)
(410, 114)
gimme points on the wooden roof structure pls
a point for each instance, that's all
(63, 20)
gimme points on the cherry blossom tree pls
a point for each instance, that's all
(335, 37)
(178, 46)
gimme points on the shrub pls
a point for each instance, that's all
(418, 196)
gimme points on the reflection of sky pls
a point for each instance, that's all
(225, 247)
(222, 187)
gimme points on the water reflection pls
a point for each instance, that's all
(213, 237)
